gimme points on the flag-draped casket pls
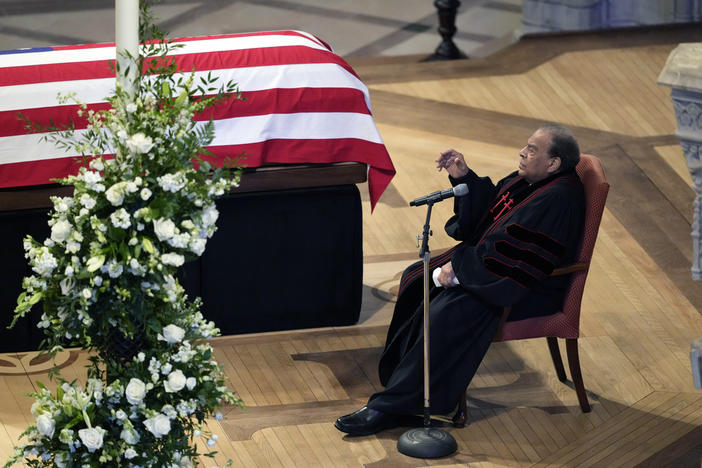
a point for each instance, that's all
(303, 105)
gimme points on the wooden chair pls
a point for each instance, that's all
(565, 323)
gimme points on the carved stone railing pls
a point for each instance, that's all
(683, 73)
(581, 15)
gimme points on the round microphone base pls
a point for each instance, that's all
(426, 442)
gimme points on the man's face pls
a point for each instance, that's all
(535, 164)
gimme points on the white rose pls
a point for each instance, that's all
(190, 383)
(91, 177)
(172, 334)
(172, 182)
(179, 241)
(115, 194)
(62, 204)
(72, 246)
(135, 391)
(46, 425)
(43, 262)
(121, 219)
(197, 245)
(139, 143)
(164, 228)
(159, 425)
(61, 230)
(130, 436)
(114, 269)
(92, 437)
(145, 194)
(173, 259)
(209, 215)
(176, 381)
(97, 164)
(129, 454)
(87, 201)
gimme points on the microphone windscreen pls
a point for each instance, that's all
(460, 190)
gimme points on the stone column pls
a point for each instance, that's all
(127, 42)
(683, 73)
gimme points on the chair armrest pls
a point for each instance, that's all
(572, 268)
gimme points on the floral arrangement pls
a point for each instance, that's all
(143, 204)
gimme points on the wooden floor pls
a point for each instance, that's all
(641, 310)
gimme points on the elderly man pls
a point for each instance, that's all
(513, 234)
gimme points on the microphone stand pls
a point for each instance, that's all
(426, 441)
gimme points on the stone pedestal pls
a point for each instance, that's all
(683, 73)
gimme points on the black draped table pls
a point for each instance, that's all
(287, 253)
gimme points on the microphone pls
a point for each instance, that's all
(457, 191)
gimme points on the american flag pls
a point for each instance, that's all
(304, 104)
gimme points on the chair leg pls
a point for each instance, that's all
(459, 419)
(556, 357)
(574, 365)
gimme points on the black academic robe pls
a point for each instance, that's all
(513, 234)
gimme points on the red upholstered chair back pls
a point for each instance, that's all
(566, 322)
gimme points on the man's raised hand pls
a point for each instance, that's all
(453, 162)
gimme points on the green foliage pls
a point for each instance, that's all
(143, 204)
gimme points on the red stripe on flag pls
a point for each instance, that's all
(37, 172)
(281, 151)
(323, 151)
(289, 101)
(52, 72)
(258, 57)
(60, 116)
(272, 101)
(186, 63)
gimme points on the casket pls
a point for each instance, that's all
(288, 252)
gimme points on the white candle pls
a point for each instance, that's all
(127, 40)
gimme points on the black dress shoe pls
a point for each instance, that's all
(367, 421)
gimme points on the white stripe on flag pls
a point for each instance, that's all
(307, 125)
(306, 75)
(234, 131)
(189, 47)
